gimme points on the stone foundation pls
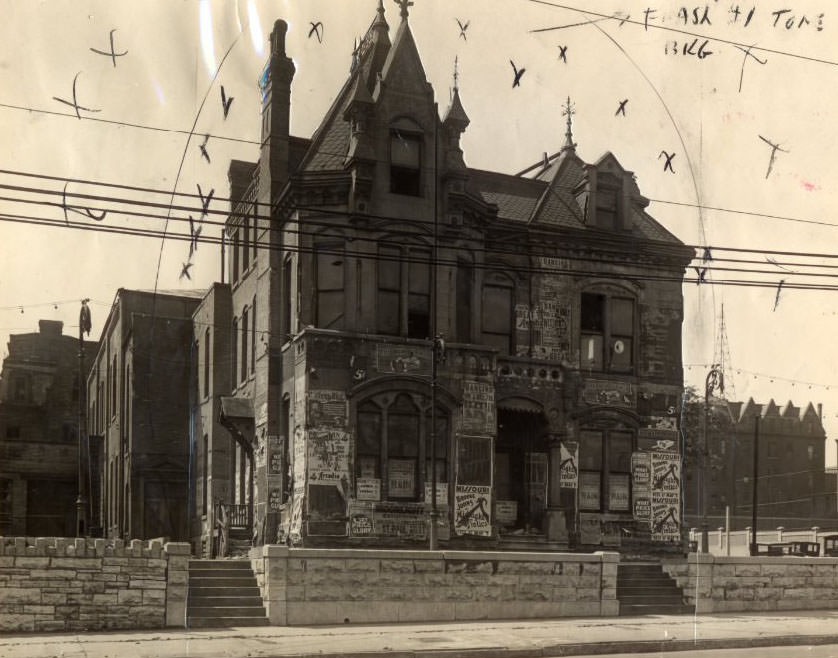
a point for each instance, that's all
(66, 584)
(327, 586)
(734, 584)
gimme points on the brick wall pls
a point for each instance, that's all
(65, 584)
(734, 584)
(328, 586)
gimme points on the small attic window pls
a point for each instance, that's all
(606, 208)
(405, 163)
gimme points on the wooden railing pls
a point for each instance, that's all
(238, 516)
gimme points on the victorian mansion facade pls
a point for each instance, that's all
(380, 289)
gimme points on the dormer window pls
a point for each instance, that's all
(606, 208)
(405, 162)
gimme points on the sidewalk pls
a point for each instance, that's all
(484, 639)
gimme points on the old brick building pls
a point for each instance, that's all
(140, 395)
(556, 301)
(39, 414)
(794, 488)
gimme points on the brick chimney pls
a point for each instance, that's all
(52, 328)
(275, 84)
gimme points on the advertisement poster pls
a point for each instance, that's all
(618, 493)
(401, 478)
(400, 520)
(327, 408)
(569, 469)
(506, 512)
(368, 489)
(589, 491)
(328, 456)
(441, 494)
(472, 510)
(666, 496)
(641, 480)
(361, 520)
(478, 408)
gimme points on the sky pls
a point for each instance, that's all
(711, 104)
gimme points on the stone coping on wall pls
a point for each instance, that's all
(86, 547)
(274, 550)
(709, 558)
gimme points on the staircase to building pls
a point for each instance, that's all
(646, 589)
(223, 593)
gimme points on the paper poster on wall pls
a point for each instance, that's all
(400, 520)
(641, 470)
(568, 468)
(611, 393)
(589, 490)
(327, 408)
(361, 520)
(478, 408)
(328, 456)
(618, 492)
(506, 512)
(641, 480)
(296, 524)
(274, 499)
(666, 496)
(472, 510)
(441, 493)
(401, 478)
(403, 359)
(368, 489)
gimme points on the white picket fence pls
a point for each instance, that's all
(741, 539)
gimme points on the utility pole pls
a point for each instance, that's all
(754, 493)
(81, 500)
(715, 380)
(436, 341)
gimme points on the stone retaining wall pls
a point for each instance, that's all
(326, 586)
(734, 584)
(65, 584)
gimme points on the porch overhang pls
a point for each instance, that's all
(237, 416)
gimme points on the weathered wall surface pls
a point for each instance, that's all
(327, 586)
(734, 584)
(65, 584)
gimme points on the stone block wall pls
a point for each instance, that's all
(735, 584)
(328, 586)
(66, 584)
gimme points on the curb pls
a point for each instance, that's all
(578, 649)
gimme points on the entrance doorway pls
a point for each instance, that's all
(521, 472)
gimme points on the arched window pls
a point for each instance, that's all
(253, 335)
(498, 312)
(393, 441)
(406, 158)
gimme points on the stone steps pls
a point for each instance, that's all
(645, 589)
(223, 593)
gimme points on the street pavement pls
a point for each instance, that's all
(651, 634)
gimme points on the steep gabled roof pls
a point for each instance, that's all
(330, 142)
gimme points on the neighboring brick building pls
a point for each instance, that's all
(39, 415)
(554, 334)
(794, 488)
(140, 395)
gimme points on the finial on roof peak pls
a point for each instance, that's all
(404, 5)
(568, 111)
(456, 73)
